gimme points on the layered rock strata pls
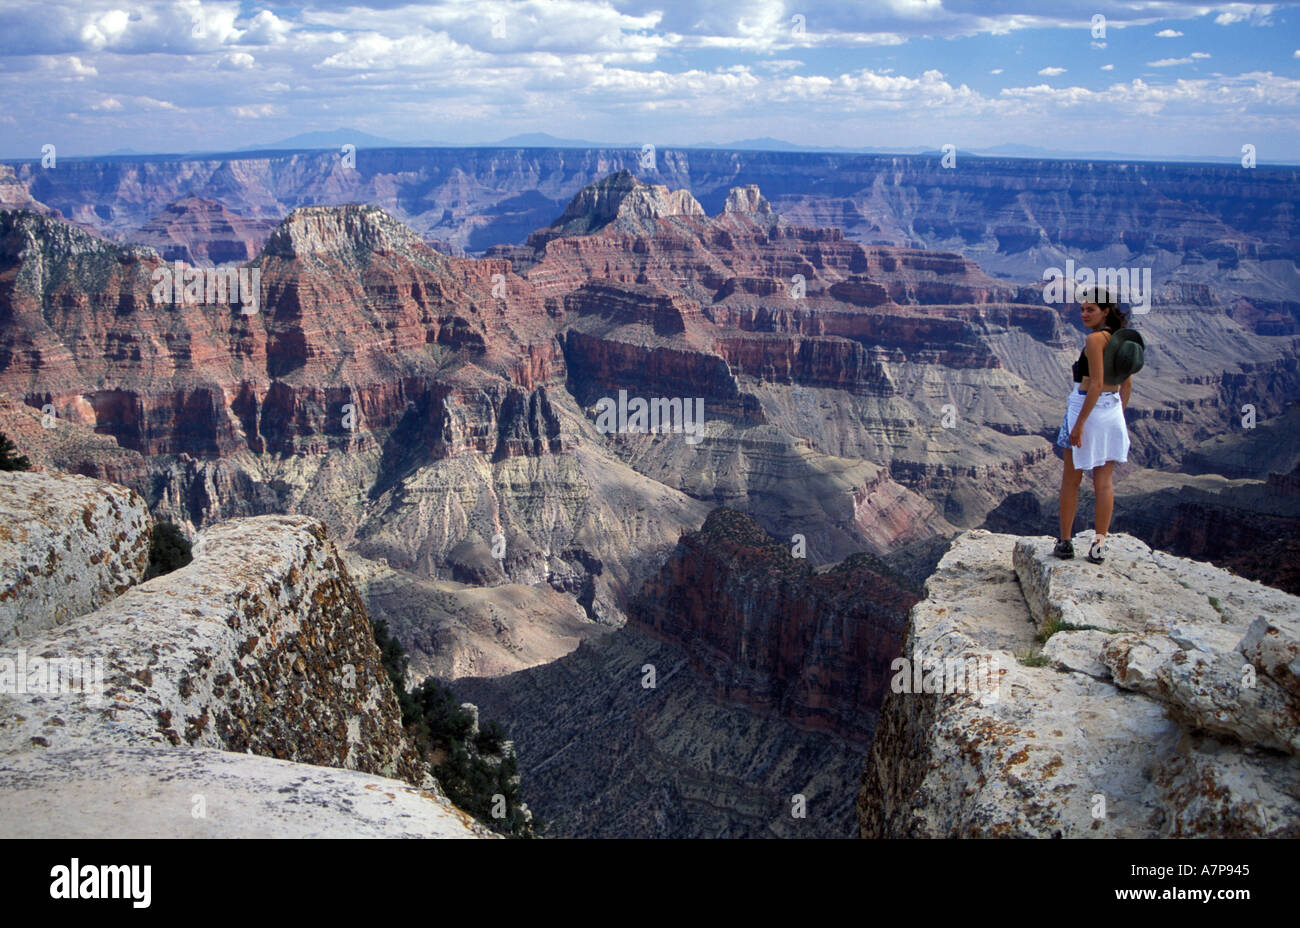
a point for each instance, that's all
(769, 632)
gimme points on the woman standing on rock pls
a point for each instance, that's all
(1094, 434)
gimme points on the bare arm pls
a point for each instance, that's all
(1124, 390)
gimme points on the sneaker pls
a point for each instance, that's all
(1064, 549)
(1097, 550)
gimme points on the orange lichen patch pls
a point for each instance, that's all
(1050, 768)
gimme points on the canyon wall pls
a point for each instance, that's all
(768, 632)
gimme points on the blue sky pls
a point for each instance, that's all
(1166, 78)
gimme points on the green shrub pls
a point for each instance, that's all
(467, 768)
(9, 460)
(491, 738)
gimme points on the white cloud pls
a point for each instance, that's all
(1257, 15)
(1168, 62)
(149, 103)
(105, 29)
(999, 70)
(1190, 96)
(236, 61)
(256, 111)
(107, 104)
(1051, 72)
(266, 29)
(1108, 67)
(1200, 55)
(375, 52)
(1168, 34)
(81, 70)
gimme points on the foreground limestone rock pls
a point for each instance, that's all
(68, 544)
(260, 646)
(1162, 703)
(143, 792)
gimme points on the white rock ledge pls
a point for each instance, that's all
(1170, 709)
(214, 678)
(68, 544)
(198, 793)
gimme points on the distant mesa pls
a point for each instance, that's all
(620, 200)
(626, 204)
(747, 199)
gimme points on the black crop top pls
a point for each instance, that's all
(1080, 367)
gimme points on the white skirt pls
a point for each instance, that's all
(1105, 435)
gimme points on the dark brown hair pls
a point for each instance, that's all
(1116, 318)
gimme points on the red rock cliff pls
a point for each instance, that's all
(772, 634)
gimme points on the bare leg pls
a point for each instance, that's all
(1070, 480)
(1104, 487)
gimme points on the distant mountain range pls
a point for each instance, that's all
(336, 138)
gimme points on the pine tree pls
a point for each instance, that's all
(8, 459)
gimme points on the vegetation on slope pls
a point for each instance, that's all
(9, 460)
(474, 772)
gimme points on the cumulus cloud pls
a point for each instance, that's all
(1168, 34)
(266, 29)
(373, 51)
(105, 29)
(1051, 71)
(1168, 62)
(236, 61)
